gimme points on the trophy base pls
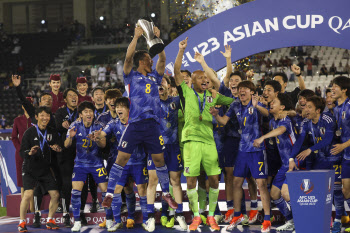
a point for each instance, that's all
(156, 48)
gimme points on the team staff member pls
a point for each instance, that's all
(82, 87)
(64, 118)
(20, 125)
(37, 146)
(57, 96)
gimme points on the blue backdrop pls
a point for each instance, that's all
(264, 25)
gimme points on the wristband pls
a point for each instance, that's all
(298, 75)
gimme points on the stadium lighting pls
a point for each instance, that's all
(153, 15)
(43, 21)
(102, 18)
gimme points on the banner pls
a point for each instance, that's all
(5, 134)
(261, 26)
(8, 171)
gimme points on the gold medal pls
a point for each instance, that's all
(200, 118)
(316, 151)
(168, 125)
(271, 142)
(240, 131)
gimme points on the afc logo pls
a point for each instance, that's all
(307, 186)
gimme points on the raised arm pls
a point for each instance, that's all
(261, 109)
(200, 59)
(160, 67)
(296, 70)
(16, 80)
(227, 55)
(71, 134)
(177, 66)
(131, 50)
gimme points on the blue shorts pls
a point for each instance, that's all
(172, 158)
(144, 132)
(345, 167)
(253, 163)
(111, 160)
(98, 173)
(228, 155)
(330, 165)
(273, 159)
(139, 173)
(280, 178)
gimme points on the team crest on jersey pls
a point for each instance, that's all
(343, 115)
(322, 130)
(49, 137)
(209, 99)
(149, 162)
(173, 105)
(73, 175)
(187, 170)
(124, 144)
(152, 78)
(250, 110)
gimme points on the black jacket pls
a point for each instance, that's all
(39, 164)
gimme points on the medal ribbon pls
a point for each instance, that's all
(88, 143)
(201, 105)
(96, 113)
(41, 142)
(70, 115)
(312, 130)
(240, 117)
(340, 115)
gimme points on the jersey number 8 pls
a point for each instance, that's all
(148, 88)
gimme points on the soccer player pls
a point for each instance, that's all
(249, 158)
(283, 80)
(136, 163)
(87, 160)
(197, 135)
(57, 96)
(172, 156)
(82, 87)
(341, 93)
(282, 130)
(98, 97)
(143, 127)
(37, 146)
(330, 101)
(64, 118)
(322, 128)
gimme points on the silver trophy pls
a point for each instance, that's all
(155, 45)
(306, 183)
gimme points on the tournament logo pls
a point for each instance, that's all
(187, 170)
(173, 105)
(49, 137)
(124, 144)
(322, 130)
(343, 115)
(307, 186)
(250, 110)
(209, 99)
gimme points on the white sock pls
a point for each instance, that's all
(49, 218)
(22, 220)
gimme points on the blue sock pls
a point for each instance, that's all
(254, 204)
(150, 208)
(282, 206)
(237, 214)
(289, 204)
(229, 204)
(243, 207)
(338, 201)
(131, 204)
(109, 212)
(165, 207)
(114, 176)
(179, 208)
(76, 203)
(143, 204)
(163, 176)
(116, 207)
(267, 217)
(217, 210)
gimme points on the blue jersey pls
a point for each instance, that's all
(219, 132)
(105, 117)
(298, 119)
(143, 95)
(225, 90)
(116, 127)
(286, 140)
(321, 137)
(169, 119)
(342, 114)
(87, 150)
(249, 122)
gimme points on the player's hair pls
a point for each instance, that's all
(186, 71)
(85, 104)
(43, 94)
(285, 101)
(247, 84)
(275, 85)
(319, 102)
(97, 88)
(283, 75)
(42, 109)
(139, 55)
(123, 101)
(328, 90)
(65, 93)
(306, 93)
(167, 78)
(343, 82)
(113, 93)
(238, 73)
(172, 81)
